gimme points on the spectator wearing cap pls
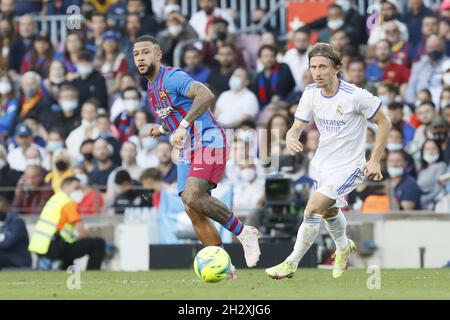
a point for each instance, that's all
(90, 83)
(8, 177)
(31, 192)
(39, 57)
(111, 61)
(415, 12)
(143, 10)
(275, 81)
(23, 43)
(208, 11)
(193, 65)
(237, 104)
(177, 30)
(383, 69)
(390, 11)
(433, 166)
(128, 196)
(430, 25)
(33, 101)
(24, 139)
(406, 191)
(427, 72)
(9, 105)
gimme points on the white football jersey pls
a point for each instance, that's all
(342, 123)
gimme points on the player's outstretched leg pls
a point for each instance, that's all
(336, 225)
(197, 197)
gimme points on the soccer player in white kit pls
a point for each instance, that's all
(340, 111)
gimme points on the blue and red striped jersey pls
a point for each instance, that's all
(168, 97)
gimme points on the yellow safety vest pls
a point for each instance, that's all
(47, 225)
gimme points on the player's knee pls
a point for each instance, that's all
(190, 197)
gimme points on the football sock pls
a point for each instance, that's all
(336, 226)
(307, 233)
(234, 225)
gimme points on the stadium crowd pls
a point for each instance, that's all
(79, 107)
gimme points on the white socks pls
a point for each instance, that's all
(336, 226)
(307, 233)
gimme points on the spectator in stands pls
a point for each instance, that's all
(277, 128)
(56, 78)
(13, 238)
(200, 20)
(90, 83)
(339, 40)
(86, 161)
(39, 57)
(396, 142)
(126, 80)
(8, 177)
(413, 17)
(133, 29)
(55, 142)
(166, 166)
(192, 58)
(8, 34)
(98, 26)
(87, 129)
(92, 200)
(23, 43)
(146, 157)
(151, 180)
(384, 69)
(103, 164)
(399, 47)
(24, 139)
(127, 196)
(417, 48)
(297, 58)
(61, 168)
(73, 46)
(219, 78)
(33, 157)
(439, 131)
(40, 135)
(105, 128)
(275, 82)
(423, 74)
(390, 11)
(124, 122)
(9, 105)
(7, 9)
(31, 192)
(446, 112)
(433, 166)
(65, 115)
(425, 114)
(111, 62)
(237, 104)
(407, 192)
(33, 102)
(177, 30)
(149, 23)
(395, 114)
(357, 74)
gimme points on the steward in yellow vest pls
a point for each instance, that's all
(54, 236)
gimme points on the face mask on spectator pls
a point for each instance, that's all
(33, 162)
(175, 30)
(335, 24)
(435, 55)
(131, 105)
(384, 100)
(85, 70)
(88, 156)
(395, 171)
(248, 174)
(87, 124)
(149, 143)
(430, 158)
(57, 80)
(29, 92)
(2, 163)
(77, 196)
(235, 83)
(55, 145)
(5, 87)
(61, 165)
(394, 146)
(69, 105)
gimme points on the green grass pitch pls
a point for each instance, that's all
(251, 284)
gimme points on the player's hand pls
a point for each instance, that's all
(153, 131)
(293, 145)
(179, 137)
(372, 170)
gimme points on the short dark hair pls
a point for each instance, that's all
(395, 106)
(334, 5)
(151, 173)
(305, 29)
(93, 101)
(85, 55)
(191, 48)
(429, 103)
(146, 38)
(87, 141)
(122, 176)
(130, 89)
(268, 47)
(68, 87)
(69, 180)
(357, 59)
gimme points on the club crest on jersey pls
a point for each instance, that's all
(339, 111)
(163, 95)
(164, 112)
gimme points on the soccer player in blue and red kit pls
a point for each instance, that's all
(183, 105)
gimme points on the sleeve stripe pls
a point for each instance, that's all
(298, 118)
(376, 110)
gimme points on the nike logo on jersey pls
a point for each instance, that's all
(197, 169)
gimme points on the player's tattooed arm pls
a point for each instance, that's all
(202, 99)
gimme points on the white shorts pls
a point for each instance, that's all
(335, 185)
